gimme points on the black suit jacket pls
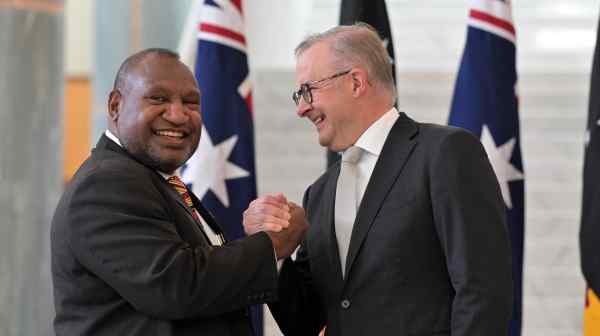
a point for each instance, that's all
(429, 252)
(129, 259)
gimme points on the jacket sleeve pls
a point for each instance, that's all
(469, 215)
(121, 230)
(299, 309)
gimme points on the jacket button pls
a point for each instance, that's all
(345, 304)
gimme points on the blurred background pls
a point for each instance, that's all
(58, 60)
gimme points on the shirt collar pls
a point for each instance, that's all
(114, 138)
(166, 176)
(373, 139)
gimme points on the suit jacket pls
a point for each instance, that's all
(429, 252)
(129, 259)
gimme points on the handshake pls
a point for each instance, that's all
(283, 221)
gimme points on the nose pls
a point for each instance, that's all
(176, 113)
(302, 108)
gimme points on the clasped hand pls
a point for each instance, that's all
(283, 221)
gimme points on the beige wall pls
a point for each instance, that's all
(79, 37)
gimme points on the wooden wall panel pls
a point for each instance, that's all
(78, 106)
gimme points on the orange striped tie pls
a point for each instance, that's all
(180, 187)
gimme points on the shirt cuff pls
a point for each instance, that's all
(278, 263)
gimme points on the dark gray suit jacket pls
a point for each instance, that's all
(429, 252)
(129, 259)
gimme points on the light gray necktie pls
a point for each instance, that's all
(346, 201)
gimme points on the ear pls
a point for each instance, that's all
(114, 105)
(360, 81)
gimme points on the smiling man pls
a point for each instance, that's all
(133, 251)
(154, 111)
(161, 138)
(407, 233)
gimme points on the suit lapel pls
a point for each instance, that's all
(175, 195)
(329, 194)
(106, 144)
(207, 216)
(178, 199)
(394, 155)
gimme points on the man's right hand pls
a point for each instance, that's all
(286, 240)
(283, 221)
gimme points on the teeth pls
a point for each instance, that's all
(318, 120)
(170, 133)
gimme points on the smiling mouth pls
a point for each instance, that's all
(318, 120)
(171, 134)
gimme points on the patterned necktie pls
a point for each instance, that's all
(182, 190)
(346, 201)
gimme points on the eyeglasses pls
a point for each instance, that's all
(305, 90)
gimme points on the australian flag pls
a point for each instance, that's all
(485, 102)
(222, 171)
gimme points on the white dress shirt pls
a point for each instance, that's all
(371, 142)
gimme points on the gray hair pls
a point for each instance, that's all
(356, 45)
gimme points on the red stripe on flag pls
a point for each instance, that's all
(237, 4)
(248, 100)
(500, 23)
(208, 28)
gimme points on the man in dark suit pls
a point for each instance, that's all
(407, 233)
(133, 251)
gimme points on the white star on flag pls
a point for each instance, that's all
(209, 167)
(500, 160)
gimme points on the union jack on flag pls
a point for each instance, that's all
(485, 102)
(222, 171)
